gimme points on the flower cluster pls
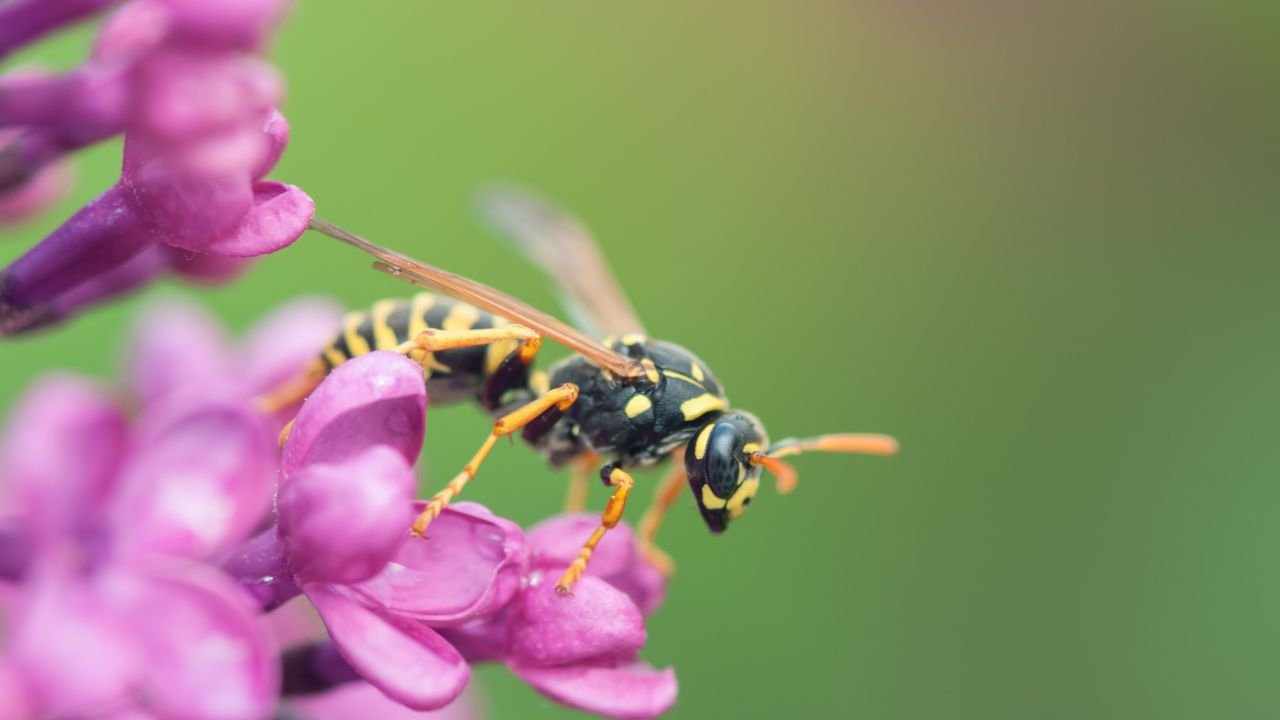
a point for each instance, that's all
(157, 541)
(181, 80)
(149, 542)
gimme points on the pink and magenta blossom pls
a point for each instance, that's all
(114, 517)
(198, 110)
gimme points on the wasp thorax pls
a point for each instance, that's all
(718, 462)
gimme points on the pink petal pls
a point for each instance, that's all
(482, 639)
(135, 28)
(55, 625)
(362, 700)
(470, 564)
(181, 208)
(404, 659)
(286, 340)
(277, 132)
(628, 692)
(49, 187)
(240, 24)
(557, 540)
(208, 656)
(186, 93)
(594, 622)
(204, 269)
(176, 347)
(279, 216)
(65, 443)
(14, 700)
(342, 522)
(295, 624)
(200, 480)
(375, 399)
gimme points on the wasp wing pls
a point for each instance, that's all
(565, 250)
(484, 297)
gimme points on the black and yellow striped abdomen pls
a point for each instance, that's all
(451, 374)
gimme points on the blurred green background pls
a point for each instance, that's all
(1036, 244)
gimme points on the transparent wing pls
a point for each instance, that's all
(565, 250)
(484, 297)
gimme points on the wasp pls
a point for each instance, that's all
(625, 400)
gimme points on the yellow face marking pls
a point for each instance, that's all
(334, 357)
(697, 407)
(356, 344)
(751, 448)
(384, 338)
(422, 302)
(540, 382)
(461, 317)
(738, 503)
(710, 500)
(632, 339)
(700, 447)
(638, 405)
(696, 371)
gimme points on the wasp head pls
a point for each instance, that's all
(718, 462)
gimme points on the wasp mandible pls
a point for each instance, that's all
(626, 399)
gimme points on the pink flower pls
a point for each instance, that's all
(344, 506)
(579, 650)
(201, 132)
(113, 518)
(178, 349)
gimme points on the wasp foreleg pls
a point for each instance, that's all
(622, 483)
(554, 402)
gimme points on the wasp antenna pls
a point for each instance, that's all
(862, 444)
(787, 476)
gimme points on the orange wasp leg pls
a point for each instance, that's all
(556, 400)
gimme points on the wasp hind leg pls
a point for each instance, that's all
(575, 499)
(622, 482)
(541, 412)
(647, 530)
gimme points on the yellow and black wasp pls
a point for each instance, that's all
(628, 400)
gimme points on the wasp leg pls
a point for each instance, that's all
(622, 483)
(579, 474)
(647, 530)
(553, 404)
(422, 349)
(294, 391)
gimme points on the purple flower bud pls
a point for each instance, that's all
(342, 522)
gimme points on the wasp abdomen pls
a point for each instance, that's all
(452, 374)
